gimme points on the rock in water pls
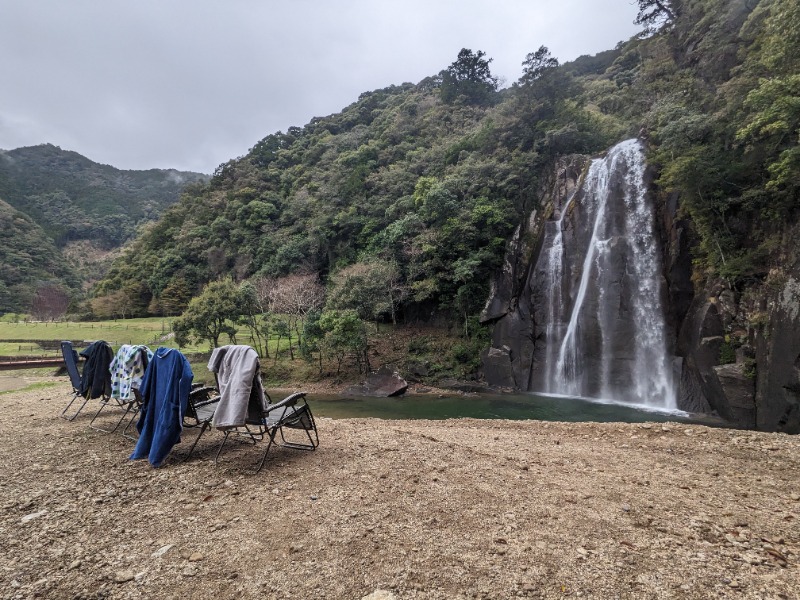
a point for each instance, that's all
(382, 384)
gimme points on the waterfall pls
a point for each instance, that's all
(613, 344)
(554, 265)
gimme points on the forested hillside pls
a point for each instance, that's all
(421, 185)
(426, 180)
(72, 201)
(28, 258)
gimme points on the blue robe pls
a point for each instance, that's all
(165, 394)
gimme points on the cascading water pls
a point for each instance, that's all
(613, 343)
(554, 258)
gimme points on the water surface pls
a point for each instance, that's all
(488, 406)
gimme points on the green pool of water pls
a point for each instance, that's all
(484, 406)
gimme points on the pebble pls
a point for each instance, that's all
(33, 516)
(162, 551)
(189, 571)
(196, 557)
(123, 576)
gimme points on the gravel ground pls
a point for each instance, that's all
(399, 509)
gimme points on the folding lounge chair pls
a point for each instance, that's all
(165, 391)
(293, 412)
(71, 363)
(246, 410)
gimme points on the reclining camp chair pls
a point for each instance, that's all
(95, 380)
(126, 371)
(165, 395)
(71, 364)
(245, 409)
(293, 412)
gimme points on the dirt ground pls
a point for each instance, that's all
(399, 509)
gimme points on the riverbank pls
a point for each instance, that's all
(418, 509)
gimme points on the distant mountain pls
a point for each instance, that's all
(62, 213)
(74, 198)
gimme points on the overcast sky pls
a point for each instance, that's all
(190, 84)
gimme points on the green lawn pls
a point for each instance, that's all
(152, 332)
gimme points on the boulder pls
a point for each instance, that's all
(497, 367)
(383, 383)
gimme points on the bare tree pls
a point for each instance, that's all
(50, 302)
(289, 299)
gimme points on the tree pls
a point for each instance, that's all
(372, 288)
(173, 299)
(255, 317)
(210, 314)
(119, 304)
(288, 300)
(543, 87)
(469, 76)
(344, 334)
(656, 14)
(537, 65)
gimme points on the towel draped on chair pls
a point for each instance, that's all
(238, 378)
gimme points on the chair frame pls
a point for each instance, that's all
(74, 375)
(201, 418)
(129, 407)
(286, 413)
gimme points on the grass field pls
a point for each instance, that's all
(22, 339)
(152, 331)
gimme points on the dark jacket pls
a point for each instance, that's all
(96, 377)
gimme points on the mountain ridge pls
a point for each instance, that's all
(74, 200)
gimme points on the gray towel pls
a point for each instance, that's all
(239, 381)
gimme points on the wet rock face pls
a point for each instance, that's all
(515, 297)
(760, 328)
(778, 358)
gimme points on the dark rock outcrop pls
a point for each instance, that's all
(778, 348)
(508, 362)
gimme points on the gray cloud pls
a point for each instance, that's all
(189, 84)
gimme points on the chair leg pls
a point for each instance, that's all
(131, 410)
(312, 442)
(206, 425)
(66, 408)
(219, 450)
(105, 402)
(131, 422)
(272, 433)
(312, 445)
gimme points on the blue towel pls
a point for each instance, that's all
(165, 394)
